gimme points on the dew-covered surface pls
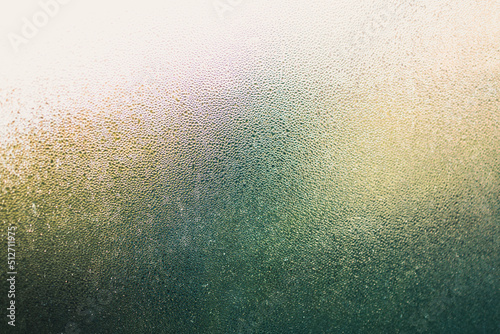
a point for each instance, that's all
(299, 167)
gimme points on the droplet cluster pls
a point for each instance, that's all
(333, 167)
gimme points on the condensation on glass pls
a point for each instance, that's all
(253, 166)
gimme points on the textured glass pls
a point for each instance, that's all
(250, 166)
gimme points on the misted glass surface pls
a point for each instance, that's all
(250, 166)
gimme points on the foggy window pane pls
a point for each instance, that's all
(250, 166)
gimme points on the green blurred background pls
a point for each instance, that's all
(301, 167)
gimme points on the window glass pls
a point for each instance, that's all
(250, 166)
